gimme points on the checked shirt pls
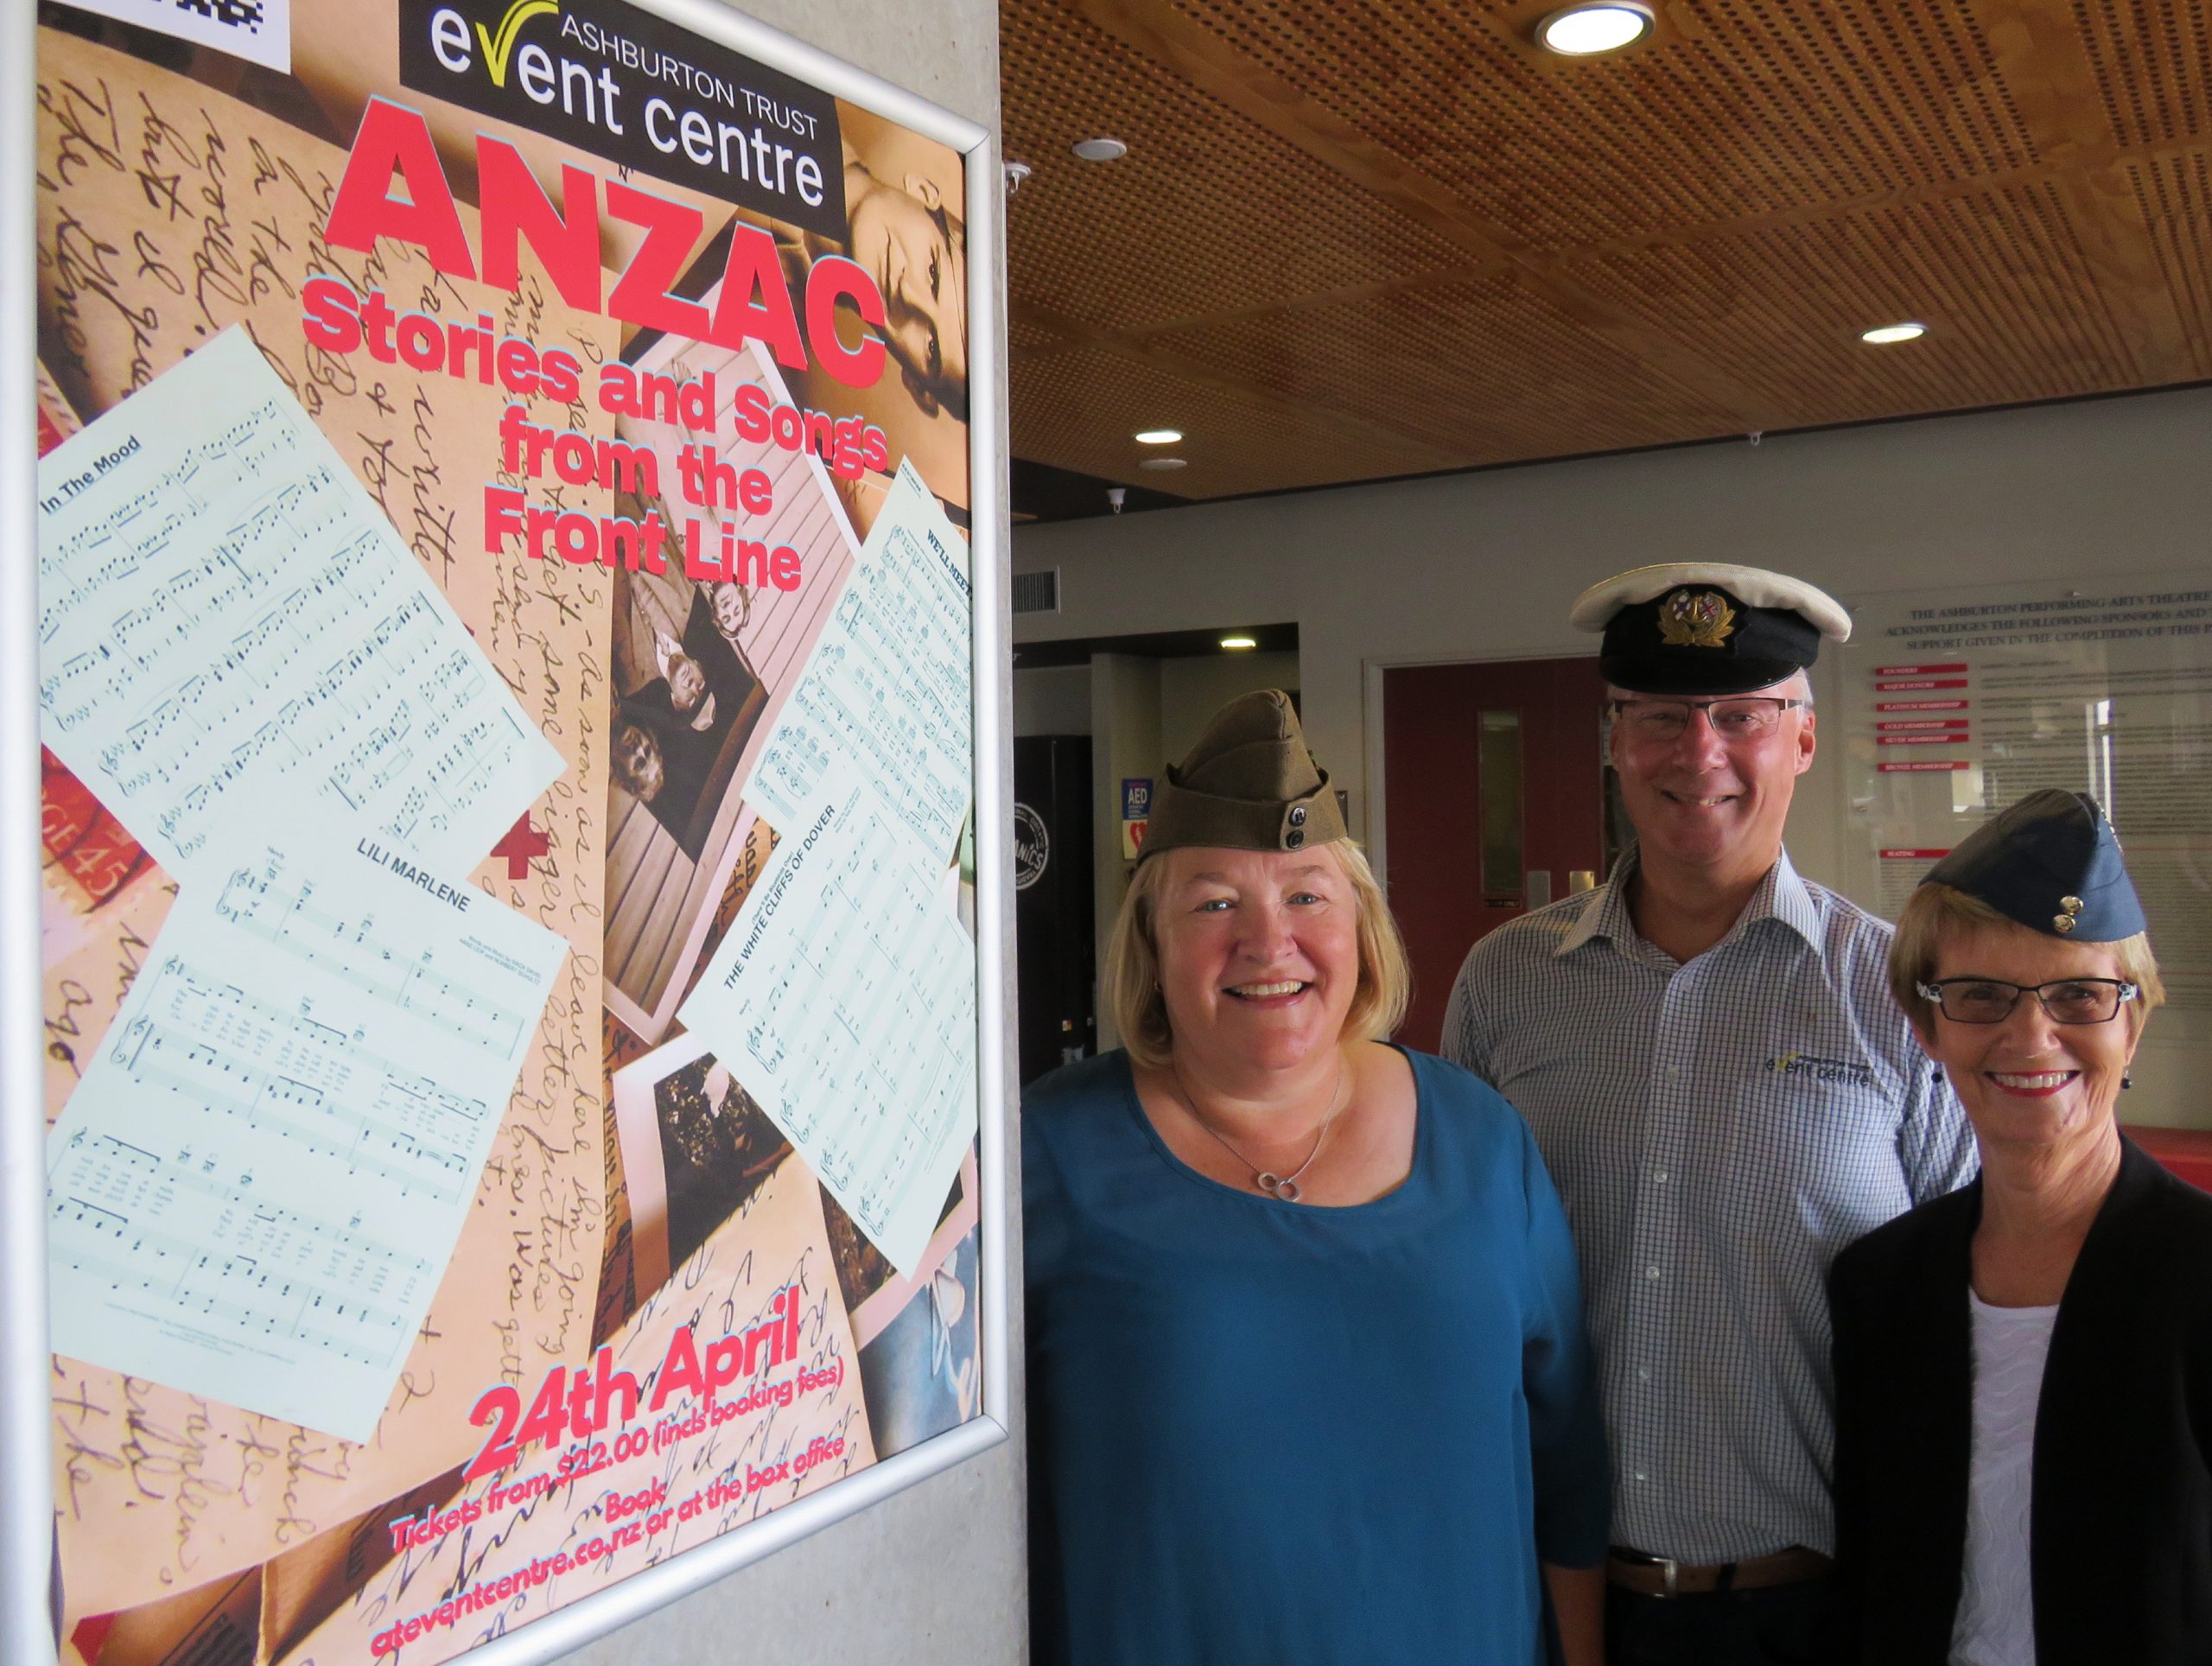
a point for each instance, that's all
(1718, 1130)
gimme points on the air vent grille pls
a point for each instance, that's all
(1037, 592)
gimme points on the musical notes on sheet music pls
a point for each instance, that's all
(844, 998)
(183, 1233)
(886, 689)
(254, 1190)
(227, 618)
(302, 918)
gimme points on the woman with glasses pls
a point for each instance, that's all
(2024, 1368)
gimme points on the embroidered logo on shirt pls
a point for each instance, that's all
(1821, 1070)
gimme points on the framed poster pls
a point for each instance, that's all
(501, 736)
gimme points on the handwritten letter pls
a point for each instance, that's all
(772, 1441)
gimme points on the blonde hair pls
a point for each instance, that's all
(1936, 911)
(1132, 977)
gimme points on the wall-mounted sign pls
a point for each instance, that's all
(1136, 814)
(1033, 846)
(1963, 701)
(510, 542)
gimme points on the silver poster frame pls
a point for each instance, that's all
(29, 1598)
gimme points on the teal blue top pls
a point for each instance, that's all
(1269, 1432)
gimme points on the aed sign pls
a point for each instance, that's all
(1136, 814)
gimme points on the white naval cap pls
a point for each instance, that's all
(1594, 609)
(1706, 627)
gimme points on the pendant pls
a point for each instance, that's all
(1277, 1187)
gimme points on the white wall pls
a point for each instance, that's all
(936, 1575)
(1056, 699)
(1052, 700)
(1193, 689)
(1483, 566)
(1124, 745)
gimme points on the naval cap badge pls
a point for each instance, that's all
(1696, 619)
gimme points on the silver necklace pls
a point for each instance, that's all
(1282, 1186)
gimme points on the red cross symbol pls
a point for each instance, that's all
(91, 1635)
(521, 843)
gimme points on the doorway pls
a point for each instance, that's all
(1057, 1018)
(1495, 795)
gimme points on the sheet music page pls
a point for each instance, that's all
(843, 1000)
(253, 1192)
(208, 498)
(887, 689)
(794, 1422)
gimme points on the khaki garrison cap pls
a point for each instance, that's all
(1249, 784)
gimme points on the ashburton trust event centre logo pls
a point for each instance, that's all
(639, 91)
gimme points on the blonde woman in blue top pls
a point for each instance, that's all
(1308, 1380)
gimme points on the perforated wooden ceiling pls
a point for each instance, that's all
(1355, 238)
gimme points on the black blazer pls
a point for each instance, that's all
(2120, 1535)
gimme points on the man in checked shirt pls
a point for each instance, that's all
(1726, 1097)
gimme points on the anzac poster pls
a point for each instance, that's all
(506, 620)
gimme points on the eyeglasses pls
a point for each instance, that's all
(1744, 719)
(1990, 1001)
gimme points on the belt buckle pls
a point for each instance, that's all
(1669, 1569)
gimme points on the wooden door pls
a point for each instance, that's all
(1494, 798)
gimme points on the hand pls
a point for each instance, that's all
(1579, 1603)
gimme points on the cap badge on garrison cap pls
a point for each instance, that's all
(1696, 619)
(2069, 909)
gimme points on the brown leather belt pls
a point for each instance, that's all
(1662, 1576)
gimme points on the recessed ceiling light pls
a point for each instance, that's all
(1239, 642)
(1907, 331)
(1158, 436)
(1101, 149)
(1601, 26)
(1163, 462)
